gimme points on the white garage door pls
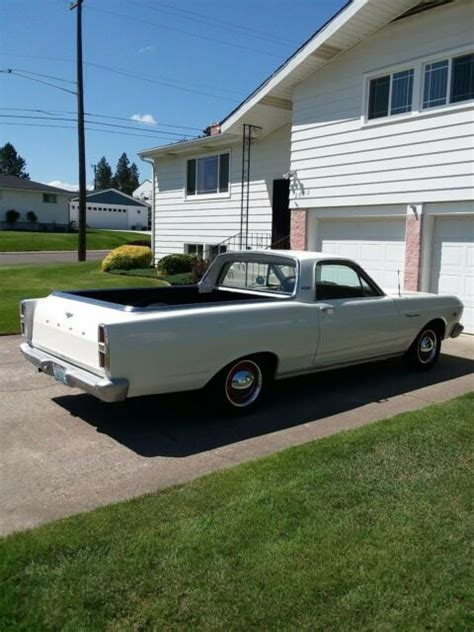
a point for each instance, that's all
(452, 265)
(378, 245)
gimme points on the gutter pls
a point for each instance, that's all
(153, 183)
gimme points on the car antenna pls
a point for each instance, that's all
(398, 276)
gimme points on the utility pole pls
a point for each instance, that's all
(81, 252)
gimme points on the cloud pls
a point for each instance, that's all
(147, 49)
(66, 185)
(149, 119)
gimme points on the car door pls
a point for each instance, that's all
(357, 321)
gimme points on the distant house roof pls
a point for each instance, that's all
(22, 184)
(112, 196)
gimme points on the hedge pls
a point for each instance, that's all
(176, 264)
(127, 257)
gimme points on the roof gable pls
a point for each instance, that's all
(112, 196)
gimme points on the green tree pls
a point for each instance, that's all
(103, 175)
(11, 163)
(126, 177)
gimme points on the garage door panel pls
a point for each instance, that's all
(377, 244)
(453, 262)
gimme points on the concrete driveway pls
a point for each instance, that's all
(64, 452)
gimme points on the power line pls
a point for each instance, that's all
(216, 22)
(59, 118)
(188, 33)
(107, 116)
(9, 71)
(158, 80)
(89, 129)
(39, 74)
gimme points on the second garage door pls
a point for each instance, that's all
(378, 245)
(452, 269)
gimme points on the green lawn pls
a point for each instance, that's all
(22, 241)
(32, 281)
(365, 530)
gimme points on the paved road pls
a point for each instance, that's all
(14, 258)
(64, 452)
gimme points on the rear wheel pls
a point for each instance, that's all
(425, 350)
(241, 386)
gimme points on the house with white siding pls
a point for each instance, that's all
(39, 206)
(362, 141)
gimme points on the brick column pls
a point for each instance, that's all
(413, 235)
(298, 229)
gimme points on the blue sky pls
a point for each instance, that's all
(195, 60)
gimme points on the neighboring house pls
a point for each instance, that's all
(112, 209)
(144, 192)
(371, 122)
(50, 205)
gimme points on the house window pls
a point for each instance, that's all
(391, 94)
(448, 81)
(50, 198)
(194, 249)
(207, 175)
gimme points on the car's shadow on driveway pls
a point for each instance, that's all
(182, 424)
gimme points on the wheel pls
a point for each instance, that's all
(240, 387)
(425, 350)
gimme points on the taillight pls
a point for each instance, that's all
(103, 347)
(22, 318)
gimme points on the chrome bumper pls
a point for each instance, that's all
(456, 330)
(101, 387)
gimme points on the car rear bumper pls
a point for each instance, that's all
(456, 330)
(101, 387)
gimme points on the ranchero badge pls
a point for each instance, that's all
(69, 314)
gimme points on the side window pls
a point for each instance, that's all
(338, 280)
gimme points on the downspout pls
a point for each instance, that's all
(153, 184)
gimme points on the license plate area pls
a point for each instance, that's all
(59, 373)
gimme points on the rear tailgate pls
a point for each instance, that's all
(68, 329)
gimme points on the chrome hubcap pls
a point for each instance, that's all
(243, 383)
(427, 346)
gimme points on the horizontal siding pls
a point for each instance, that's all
(210, 221)
(341, 161)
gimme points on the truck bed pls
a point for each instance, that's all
(149, 299)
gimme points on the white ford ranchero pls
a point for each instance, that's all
(254, 317)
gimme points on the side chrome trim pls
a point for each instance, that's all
(331, 367)
(115, 390)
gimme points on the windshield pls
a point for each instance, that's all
(258, 275)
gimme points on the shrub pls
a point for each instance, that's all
(12, 216)
(139, 242)
(176, 264)
(199, 268)
(127, 257)
(31, 217)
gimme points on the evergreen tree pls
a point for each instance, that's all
(103, 175)
(11, 163)
(126, 177)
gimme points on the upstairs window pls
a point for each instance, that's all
(391, 94)
(207, 175)
(50, 198)
(448, 81)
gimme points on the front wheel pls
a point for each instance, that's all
(425, 350)
(240, 387)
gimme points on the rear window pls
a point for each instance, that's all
(258, 275)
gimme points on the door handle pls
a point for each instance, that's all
(326, 309)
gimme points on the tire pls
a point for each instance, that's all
(424, 352)
(242, 385)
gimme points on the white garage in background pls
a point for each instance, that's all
(452, 262)
(378, 244)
